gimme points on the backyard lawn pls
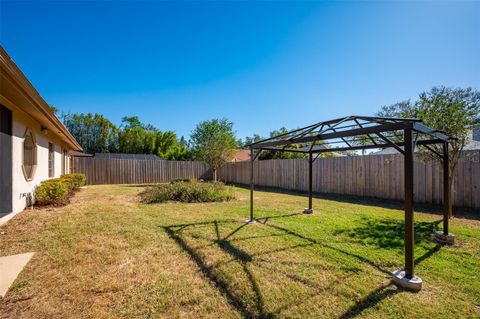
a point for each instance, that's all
(106, 255)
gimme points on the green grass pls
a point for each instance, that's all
(107, 255)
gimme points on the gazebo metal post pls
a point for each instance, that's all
(408, 171)
(252, 159)
(445, 237)
(446, 190)
(310, 169)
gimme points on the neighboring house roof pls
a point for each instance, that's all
(472, 145)
(18, 90)
(386, 151)
(127, 156)
(241, 156)
(476, 131)
(474, 139)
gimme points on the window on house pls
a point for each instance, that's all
(51, 160)
(29, 164)
(64, 162)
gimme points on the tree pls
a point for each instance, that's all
(169, 147)
(54, 109)
(454, 111)
(132, 136)
(93, 132)
(180, 151)
(96, 134)
(248, 140)
(266, 155)
(214, 143)
(138, 138)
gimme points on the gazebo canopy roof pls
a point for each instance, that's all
(352, 133)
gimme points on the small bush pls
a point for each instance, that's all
(188, 192)
(53, 191)
(56, 191)
(77, 180)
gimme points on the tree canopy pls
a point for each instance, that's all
(97, 134)
(452, 110)
(94, 132)
(214, 143)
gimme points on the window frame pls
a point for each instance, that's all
(51, 160)
(33, 170)
(64, 161)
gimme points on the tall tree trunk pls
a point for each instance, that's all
(214, 174)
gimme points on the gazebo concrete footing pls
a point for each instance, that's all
(413, 283)
(443, 239)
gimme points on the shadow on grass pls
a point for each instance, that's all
(315, 242)
(386, 234)
(254, 306)
(219, 282)
(264, 220)
(389, 233)
(370, 301)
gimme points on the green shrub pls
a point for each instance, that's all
(76, 180)
(57, 190)
(188, 192)
(53, 191)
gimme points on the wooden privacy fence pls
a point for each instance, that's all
(379, 176)
(137, 171)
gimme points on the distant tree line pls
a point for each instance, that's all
(97, 134)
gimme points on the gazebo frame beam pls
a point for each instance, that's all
(348, 148)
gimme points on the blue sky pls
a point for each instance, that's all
(262, 65)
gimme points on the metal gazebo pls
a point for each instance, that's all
(359, 133)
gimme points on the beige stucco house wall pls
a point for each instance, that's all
(22, 110)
